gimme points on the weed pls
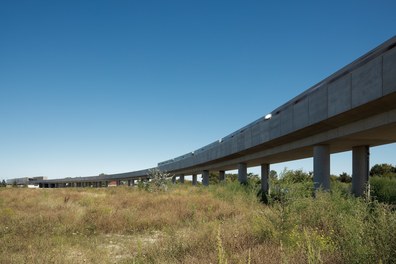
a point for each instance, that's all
(225, 223)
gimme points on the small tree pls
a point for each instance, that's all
(159, 179)
(344, 177)
(295, 176)
(213, 178)
(3, 183)
(273, 175)
(231, 177)
(382, 169)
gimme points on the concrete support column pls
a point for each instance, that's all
(194, 179)
(205, 177)
(360, 169)
(181, 178)
(106, 184)
(129, 182)
(173, 179)
(265, 169)
(242, 173)
(133, 182)
(321, 167)
(221, 176)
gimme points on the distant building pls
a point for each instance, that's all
(25, 181)
(112, 184)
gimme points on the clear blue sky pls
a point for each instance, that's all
(89, 87)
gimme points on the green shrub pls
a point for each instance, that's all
(381, 169)
(383, 189)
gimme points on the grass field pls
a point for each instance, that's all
(224, 223)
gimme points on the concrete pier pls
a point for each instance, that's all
(181, 178)
(221, 176)
(321, 167)
(173, 179)
(360, 169)
(205, 177)
(194, 179)
(265, 169)
(242, 173)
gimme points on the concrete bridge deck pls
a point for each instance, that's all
(352, 109)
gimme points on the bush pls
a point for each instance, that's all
(345, 177)
(294, 176)
(383, 189)
(381, 169)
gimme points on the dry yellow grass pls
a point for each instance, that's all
(120, 225)
(184, 225)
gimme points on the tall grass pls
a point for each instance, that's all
(225, 223)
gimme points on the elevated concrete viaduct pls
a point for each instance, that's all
(353, 109)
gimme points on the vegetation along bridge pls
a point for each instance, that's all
(352, 109)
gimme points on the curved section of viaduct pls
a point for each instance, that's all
(353, 109)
